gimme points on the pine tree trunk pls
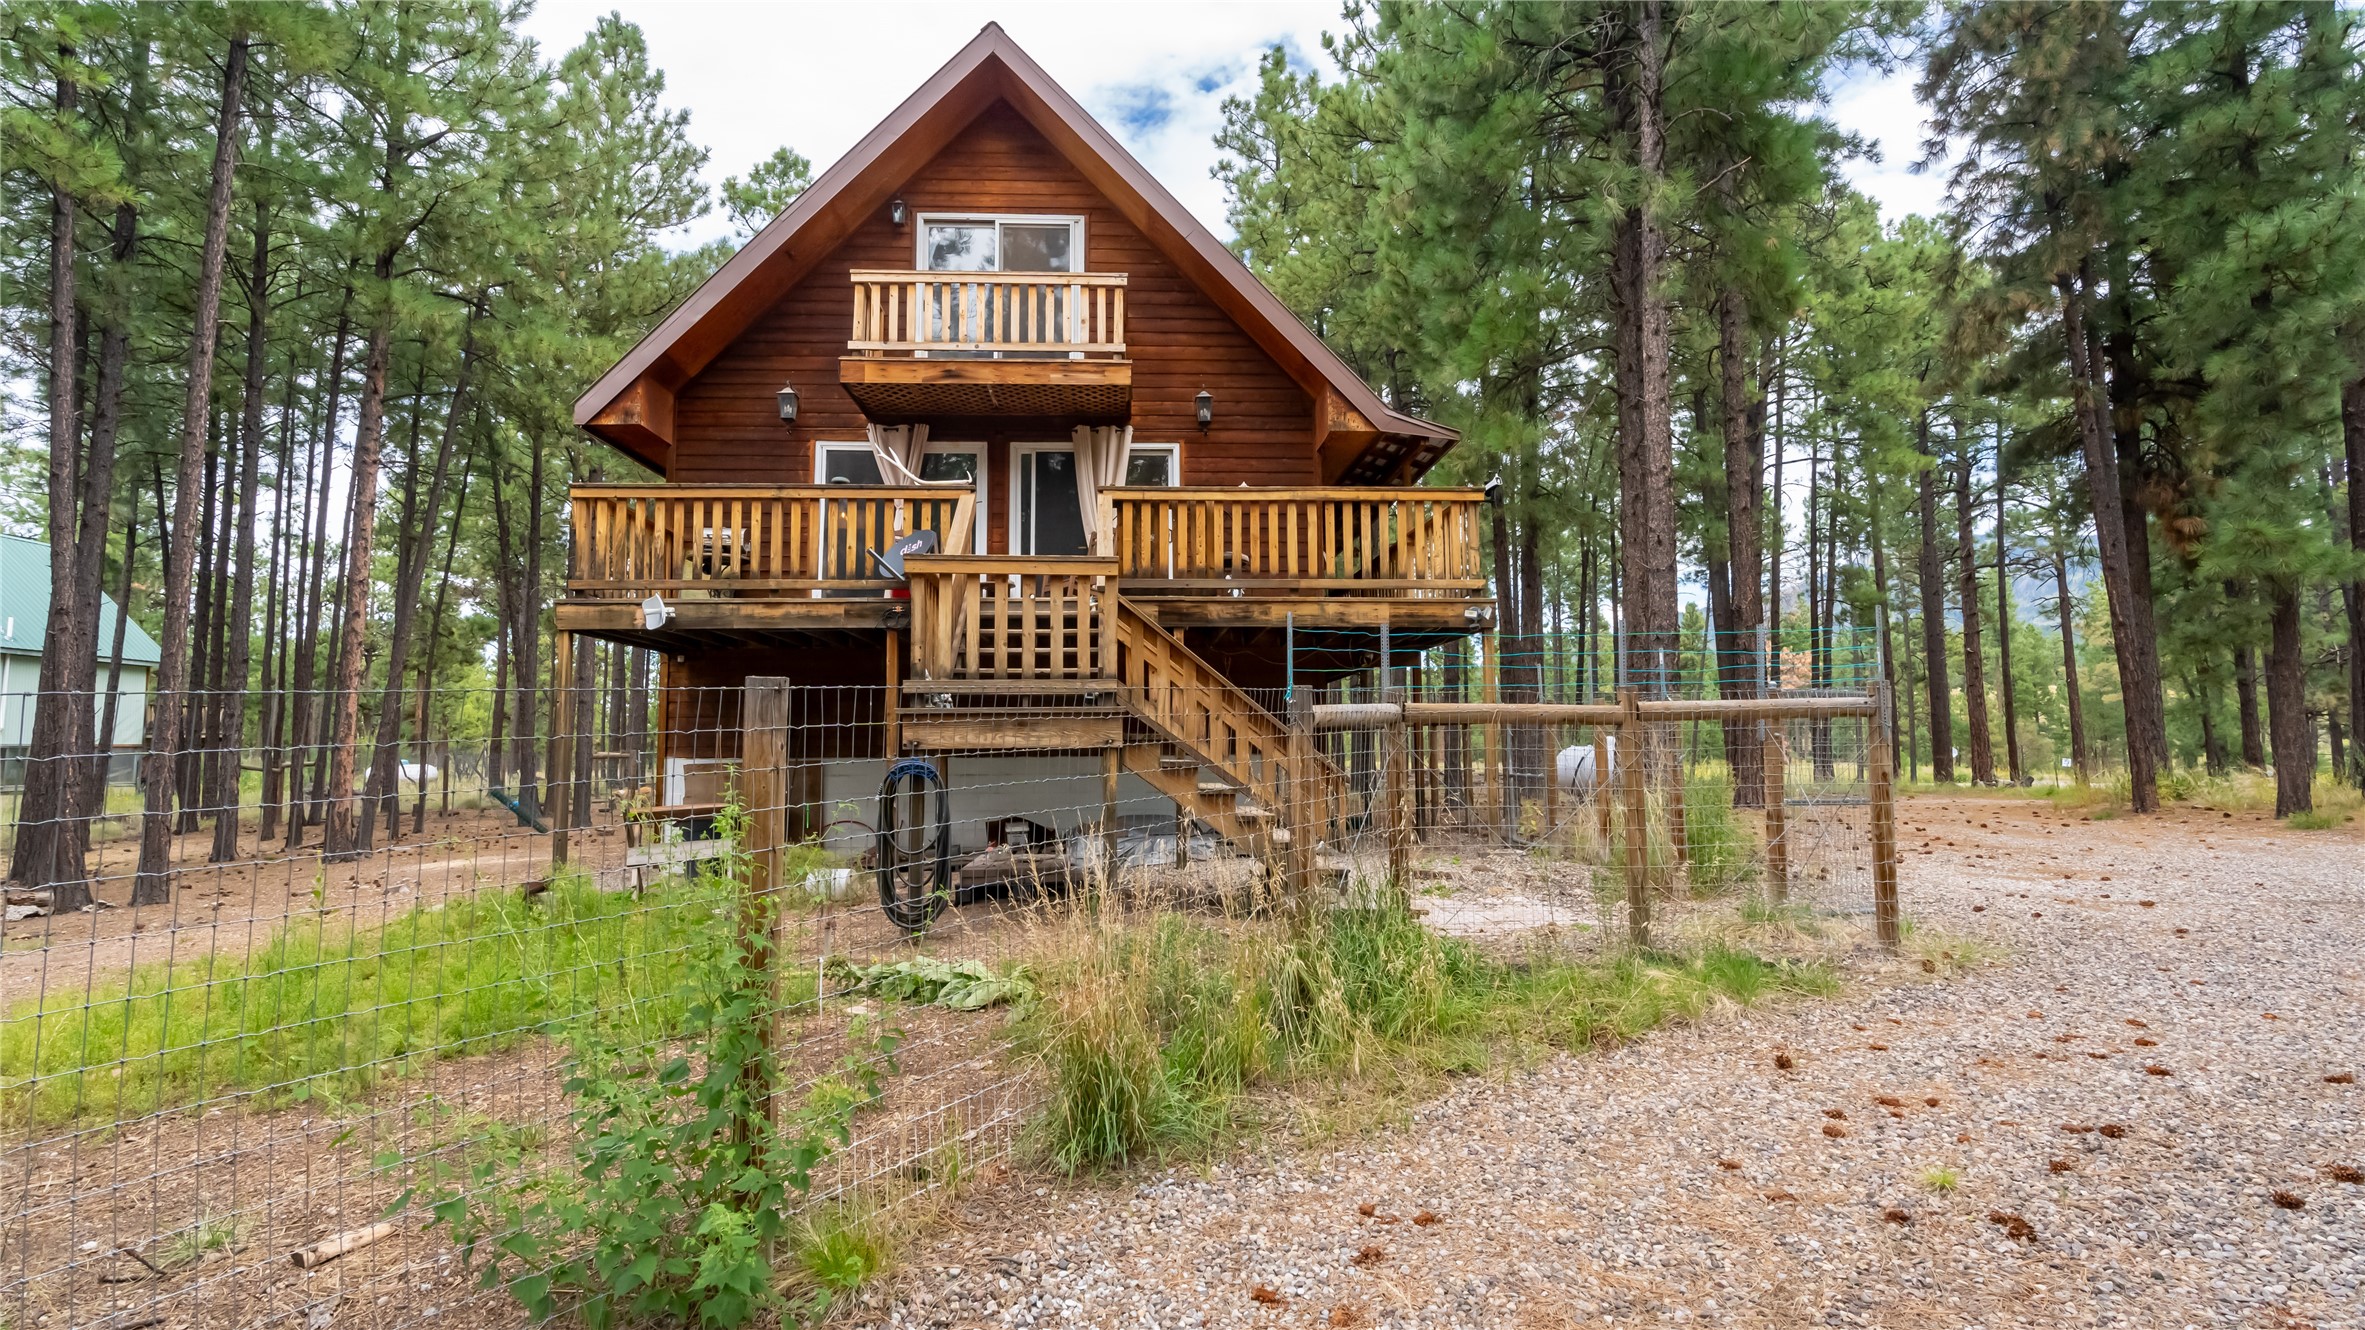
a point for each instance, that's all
(2003, 629)
(41, 841)
(443, 586)
(2246, 705)
(1775, 522)
(1930, 575)
(525, 656)
(303, 706)
(342, 839)
(2352, 435)
(1646, 450)
(2286, 706)
(2069, 670)
(1979, 740)
(197, 728)
(103, 760)
(277, 612)
(411, 572)
(153, 885)
(88, 795)
(1743, 418)
(2128, 622)
(239, 635)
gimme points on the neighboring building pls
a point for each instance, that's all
(24, 617)
(988, 322)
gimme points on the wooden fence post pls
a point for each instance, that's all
(1111, 759)
(559, 777)
(1884, 826)
(1395, 753)
(1777, 837)
(1634, 783)
(1670, 743)
(1601, 781)
(763, 802)
(1302, 810)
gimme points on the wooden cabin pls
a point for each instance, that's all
(1156, 498)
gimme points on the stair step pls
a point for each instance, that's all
(1252, 813)
(1178, 761)
(1218, 789)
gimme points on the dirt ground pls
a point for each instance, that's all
(1187, 1248)
(227, 909)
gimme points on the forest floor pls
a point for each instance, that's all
(2122, 1114)
(223, 911)
(1681, 1179)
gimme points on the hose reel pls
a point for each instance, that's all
(915, 849)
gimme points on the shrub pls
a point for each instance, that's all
(682, 1177)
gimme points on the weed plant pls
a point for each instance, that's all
(1154, 1036)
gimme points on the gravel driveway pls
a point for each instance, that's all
(2132, 1098)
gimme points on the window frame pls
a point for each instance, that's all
(1075, 223)
(1174, 463)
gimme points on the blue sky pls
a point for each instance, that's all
(817, 77)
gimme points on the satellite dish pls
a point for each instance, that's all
(655, 613)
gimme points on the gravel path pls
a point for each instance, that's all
(2130, 1095)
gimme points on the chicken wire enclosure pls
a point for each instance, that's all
(246, 1101)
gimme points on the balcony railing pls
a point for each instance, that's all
(1407, 542)
(1003, 617)
(979, 313)
(636, 541)
(788, 541)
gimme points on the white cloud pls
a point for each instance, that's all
(1882, 109)
(756, 76)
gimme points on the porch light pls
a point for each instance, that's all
(1205, 401)
(788, 403)
(895, 212)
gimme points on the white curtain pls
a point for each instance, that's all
(1100, 465)
(898, 448)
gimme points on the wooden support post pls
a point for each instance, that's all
(1396, 785)
(1777, 836)
(561, 766)
(1885, 919)
(1601, 782)
(893, 715)
(1670, 754)
(1304, 810)
(1111, 760)
(763, 802)
(1497, 766)
(1635, 785)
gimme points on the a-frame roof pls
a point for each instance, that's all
(630, 405)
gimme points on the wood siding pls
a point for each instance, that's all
(727, 430)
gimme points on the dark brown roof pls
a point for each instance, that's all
(990, 68)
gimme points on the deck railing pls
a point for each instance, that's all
(635, 541)
(990, 616)
(1401, 541)
(973, 313)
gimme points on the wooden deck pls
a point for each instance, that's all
(781, 563)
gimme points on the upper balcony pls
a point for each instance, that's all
(988, 344)
(743, 563)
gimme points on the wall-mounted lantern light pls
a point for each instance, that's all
(788, 403)
(895, 212)
(1205, 401)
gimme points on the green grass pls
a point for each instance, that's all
(1941, 1180)
(325, 1010)
(1152, 1036)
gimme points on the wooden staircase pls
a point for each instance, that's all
(1211, 747)
(1054, 639)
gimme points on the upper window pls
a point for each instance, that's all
(1153, 464)
(952, 243)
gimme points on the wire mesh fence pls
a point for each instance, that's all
(352, 1056)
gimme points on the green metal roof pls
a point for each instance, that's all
(24, 607)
